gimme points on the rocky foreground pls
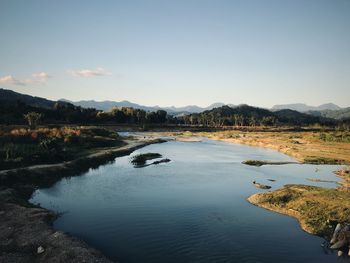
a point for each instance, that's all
(27, 236)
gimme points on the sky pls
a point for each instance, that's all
(179, 52)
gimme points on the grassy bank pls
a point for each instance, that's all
(23, 147)
(314, 147)
(345, 175)
(314, 207)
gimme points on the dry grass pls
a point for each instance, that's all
(23, 147)
(314, 207)
(306, 147)
(345, 175)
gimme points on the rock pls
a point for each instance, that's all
(40, 250)
(261, 186)
(335, 233)
(341, 236)
(339, 244)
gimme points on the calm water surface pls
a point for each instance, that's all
(192, 209)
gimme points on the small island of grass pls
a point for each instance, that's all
(141, 159)
(261, 163)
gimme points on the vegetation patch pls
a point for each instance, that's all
(320, 180)
(310, 148)
(261, 163)
(336, 136)
(141, 159)
(322, 160)
(314, 207)
(24, 147)
(345, 175)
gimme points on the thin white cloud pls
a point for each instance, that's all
(98, 72)
(40, 77)
(9, 80)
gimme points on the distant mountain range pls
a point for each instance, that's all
(329, 110)
(301, 107)
(333, 114)
(107, 105)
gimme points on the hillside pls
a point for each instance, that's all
(245, 115)
(334, 114)
(11, 97)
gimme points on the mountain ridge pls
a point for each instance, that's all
(10, 96)
(108, 104)
(302, 107)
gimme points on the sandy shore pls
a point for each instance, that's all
(25, 228)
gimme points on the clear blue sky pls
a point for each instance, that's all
(178, 52)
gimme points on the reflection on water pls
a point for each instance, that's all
(192, 209)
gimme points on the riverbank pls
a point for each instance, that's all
(315, 208)
(313, 147)
(26, 230)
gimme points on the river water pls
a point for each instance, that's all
(192, 209)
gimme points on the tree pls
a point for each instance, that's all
(235, 119)
(33, 119)
(141, 116)
(252, 121)
(268, 121)
(161, 116)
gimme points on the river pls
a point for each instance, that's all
(192, 209)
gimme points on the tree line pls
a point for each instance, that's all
(244, 115)
(67, 113)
